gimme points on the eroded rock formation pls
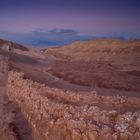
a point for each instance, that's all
(55, 114)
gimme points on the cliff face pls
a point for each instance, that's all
(13, 125)
(55, 114)
(6, 116)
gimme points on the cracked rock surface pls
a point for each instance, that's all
(52, 115)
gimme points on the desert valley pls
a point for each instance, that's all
(87, 90)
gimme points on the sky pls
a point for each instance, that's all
(57, 22)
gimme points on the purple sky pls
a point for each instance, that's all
(58, 22)
(85, 16)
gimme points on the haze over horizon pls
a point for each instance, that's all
(53, 22)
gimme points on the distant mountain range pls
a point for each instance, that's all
(40, 38)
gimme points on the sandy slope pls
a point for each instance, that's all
(101, 64)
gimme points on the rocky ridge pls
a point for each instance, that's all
(52, 115)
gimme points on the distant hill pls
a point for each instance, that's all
(99, 49)
(108, 63)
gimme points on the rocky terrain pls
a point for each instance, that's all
(84, 91)
(13, 125)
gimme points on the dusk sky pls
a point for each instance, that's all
(70, 18)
